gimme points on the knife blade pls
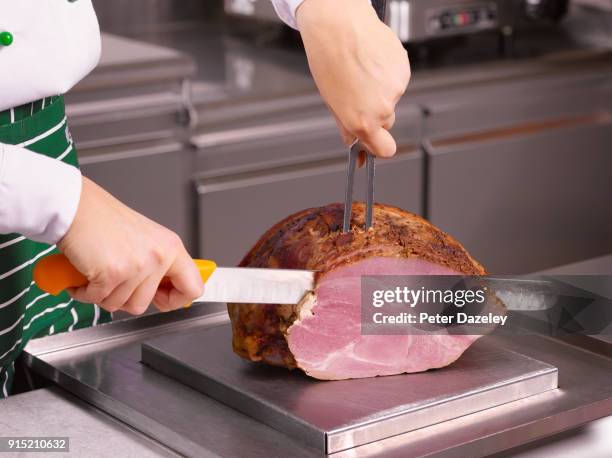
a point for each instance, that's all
(556, 305)
(257, 286)
(540, 292)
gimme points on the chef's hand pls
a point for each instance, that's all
(125, 256)
(359, 66)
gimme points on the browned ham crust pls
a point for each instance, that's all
(312, 239)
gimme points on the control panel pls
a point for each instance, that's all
(461, 18)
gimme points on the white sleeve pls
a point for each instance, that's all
(39, 195)
(286, 11)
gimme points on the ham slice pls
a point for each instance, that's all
(322, 334)
(326, 339)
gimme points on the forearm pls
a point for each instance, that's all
(39, 195)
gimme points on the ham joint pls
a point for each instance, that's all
(321, 335)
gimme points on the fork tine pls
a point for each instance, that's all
(350, 178)
(371, 166)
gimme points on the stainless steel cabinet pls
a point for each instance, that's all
(235, 210)
(151, 177)
(530, 200)
(251, 178)
(477, 108)
(519, 171)
(125, 119)
(138, 92)
(280, 137)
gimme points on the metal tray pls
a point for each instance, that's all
(337, 415)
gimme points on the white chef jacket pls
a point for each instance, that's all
(56, 43)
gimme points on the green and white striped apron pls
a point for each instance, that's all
(25, 311)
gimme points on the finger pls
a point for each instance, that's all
(93, 293)
(120, 295)
(380, 143)
(186, 282)
(389, 122)
(171, 299)
(161, 300)
(164, 300)
(347, 137)
(142, 296)
(80, 294)
(76, 293)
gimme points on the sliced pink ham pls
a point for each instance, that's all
(326, 339)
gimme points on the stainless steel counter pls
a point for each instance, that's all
(102, 366)
(52, 412)
(595, 438)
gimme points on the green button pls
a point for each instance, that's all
(6, 38)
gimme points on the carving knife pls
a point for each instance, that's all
(55, 273)
(585, 302)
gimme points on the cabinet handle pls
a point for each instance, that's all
(519, 130)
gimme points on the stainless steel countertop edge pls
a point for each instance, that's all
(539, 375)
(536, 374)
(130, 329)
(124, 414)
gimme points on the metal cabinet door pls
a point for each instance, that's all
(475, 109)
(528, 199)
(272, 140)
(235, 210)
(153, 178)
(116, 122)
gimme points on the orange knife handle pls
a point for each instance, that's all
(54, 273)
(205, 267)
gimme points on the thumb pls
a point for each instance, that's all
(380, 143)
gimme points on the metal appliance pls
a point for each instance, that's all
(421, 20)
